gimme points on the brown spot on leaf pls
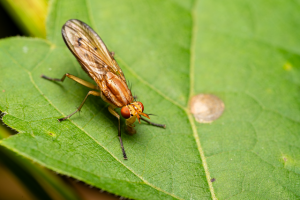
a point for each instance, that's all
(212, 180)
(52, 134)
(206, 107)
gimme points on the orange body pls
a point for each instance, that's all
(116, 90)
(99, 63)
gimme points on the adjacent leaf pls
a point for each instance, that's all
(245, 52)
(30, 15)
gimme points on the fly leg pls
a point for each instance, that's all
(79, 108)
(114, 113)
(74, 78)
(154, 124)
(78, 80)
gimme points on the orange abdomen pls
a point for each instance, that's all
(118, 92)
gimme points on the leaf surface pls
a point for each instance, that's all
(246, 53)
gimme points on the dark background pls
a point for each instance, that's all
(8, 27)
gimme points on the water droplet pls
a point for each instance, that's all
(206, 108)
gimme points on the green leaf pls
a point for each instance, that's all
(244, 52)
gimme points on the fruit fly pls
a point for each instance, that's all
(99, 63)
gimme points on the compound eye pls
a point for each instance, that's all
(125, 112)
(140, 103)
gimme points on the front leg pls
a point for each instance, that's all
(154, 124)
(114, 113)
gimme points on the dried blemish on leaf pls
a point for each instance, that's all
(287, 66)
(3, 90)
(212, 180)
(206, 107)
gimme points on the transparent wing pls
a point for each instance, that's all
(89, 50)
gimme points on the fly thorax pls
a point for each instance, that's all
(137, 107)
(132, 109)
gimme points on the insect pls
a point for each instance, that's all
(99, 63)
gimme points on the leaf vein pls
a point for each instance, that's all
(191, 93)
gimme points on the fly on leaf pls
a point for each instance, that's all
(99, 63)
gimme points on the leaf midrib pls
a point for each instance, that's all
(191, 93)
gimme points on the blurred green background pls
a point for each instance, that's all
(21, 178)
